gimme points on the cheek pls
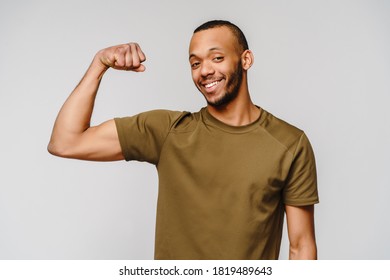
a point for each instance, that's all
(225, 69)
(195, 77)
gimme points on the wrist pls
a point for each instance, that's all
(97, 68)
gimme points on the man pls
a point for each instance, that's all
(227, 174)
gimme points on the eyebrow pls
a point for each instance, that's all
(210, 50)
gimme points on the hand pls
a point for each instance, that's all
(123, 57)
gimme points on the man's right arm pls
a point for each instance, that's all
(72, 135)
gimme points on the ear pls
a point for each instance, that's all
(247, 59)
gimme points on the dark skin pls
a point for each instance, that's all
(215, 56)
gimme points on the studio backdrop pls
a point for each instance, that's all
(323, 66)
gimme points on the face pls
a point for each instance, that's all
(216, 68)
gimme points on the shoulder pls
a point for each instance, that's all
(178, 120)
(285, 133)
(154, 116)
(160, 119)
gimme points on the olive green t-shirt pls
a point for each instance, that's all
(222, 189)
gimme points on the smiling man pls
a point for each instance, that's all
(227, 174)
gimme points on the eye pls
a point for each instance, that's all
(195, 64)
(218, 58)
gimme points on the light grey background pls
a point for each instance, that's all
(324, 66)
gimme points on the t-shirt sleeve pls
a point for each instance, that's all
(142, 136)
(301, 185)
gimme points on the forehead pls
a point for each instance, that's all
(221, 38)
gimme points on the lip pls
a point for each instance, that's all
(211, 86)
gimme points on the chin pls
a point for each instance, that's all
(224, 100)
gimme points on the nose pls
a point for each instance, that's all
(206, 69)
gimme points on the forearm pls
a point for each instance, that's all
(75, 115)
(301, 233)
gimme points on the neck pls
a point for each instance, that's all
(240, 111)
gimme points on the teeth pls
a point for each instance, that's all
(211, 84)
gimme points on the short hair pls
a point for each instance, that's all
(234, 28)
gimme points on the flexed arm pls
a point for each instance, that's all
(72, 135)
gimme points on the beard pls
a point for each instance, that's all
(232, 88)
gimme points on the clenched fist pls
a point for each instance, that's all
(123, 57)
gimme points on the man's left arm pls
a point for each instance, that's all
(300, 226)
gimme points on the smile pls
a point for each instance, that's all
(211, 84)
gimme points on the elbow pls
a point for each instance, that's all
(54, 149)
(303, 251)
(58, 150)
